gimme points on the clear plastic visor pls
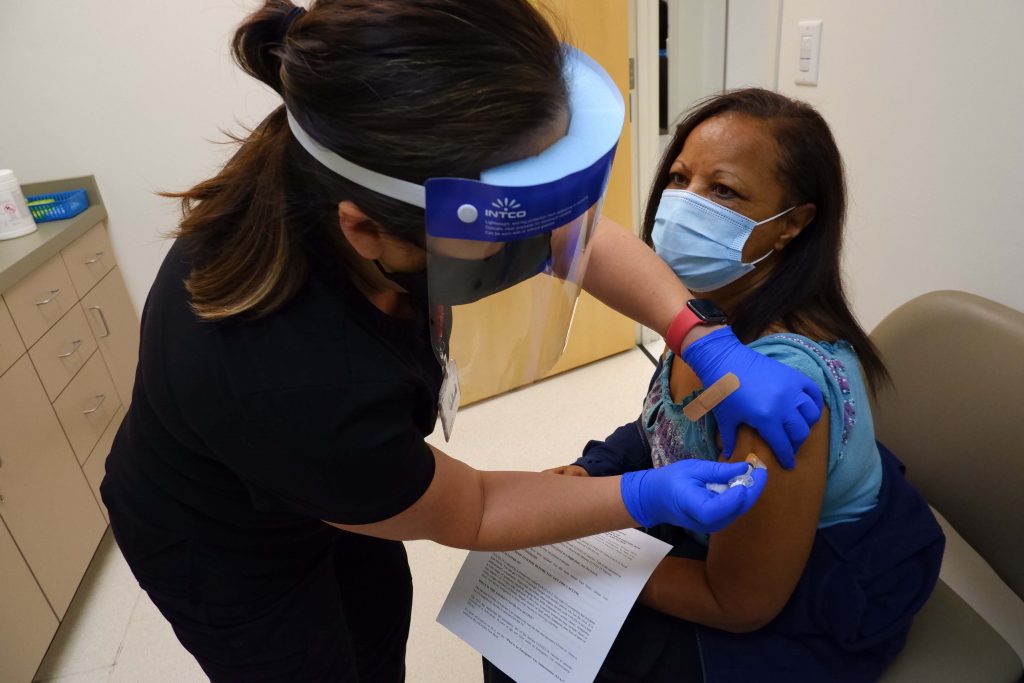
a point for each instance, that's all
(503, 310)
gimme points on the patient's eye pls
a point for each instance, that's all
(678, 181)
(723, 192)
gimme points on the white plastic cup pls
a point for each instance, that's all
(15, 218)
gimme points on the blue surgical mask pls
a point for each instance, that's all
(703, 241)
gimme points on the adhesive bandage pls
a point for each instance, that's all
(711, 397)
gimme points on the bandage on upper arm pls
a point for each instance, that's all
(711, 397)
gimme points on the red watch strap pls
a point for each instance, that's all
(684, 321)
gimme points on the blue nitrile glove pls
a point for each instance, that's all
(779, 402)
(676, 494)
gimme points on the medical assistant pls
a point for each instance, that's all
(243, 435)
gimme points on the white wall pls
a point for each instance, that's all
(131, 92)
(752, 43)
(926, 100)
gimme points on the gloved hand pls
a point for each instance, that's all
(676, 494)
(779, 402)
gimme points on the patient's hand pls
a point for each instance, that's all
(568, 471)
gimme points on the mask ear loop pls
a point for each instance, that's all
(769, 220)
(754, 263)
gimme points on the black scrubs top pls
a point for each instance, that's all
(243, 435)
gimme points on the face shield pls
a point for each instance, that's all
(506, 253)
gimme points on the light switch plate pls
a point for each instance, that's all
(808, 52)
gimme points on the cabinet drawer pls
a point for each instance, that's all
(62, 352)
(95, 467)
(88, 259)
(11, 347)
(86, 406)
(41, 299)
(116, 327)
(46, 504)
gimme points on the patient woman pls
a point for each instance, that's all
(820, 580)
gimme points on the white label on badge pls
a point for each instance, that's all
(448, 401)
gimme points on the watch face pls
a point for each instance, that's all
(707, 311)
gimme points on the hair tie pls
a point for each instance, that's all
(286, 24)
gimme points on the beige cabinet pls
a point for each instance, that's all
(27, 623)
(86, 406)
(48, 505)
(95, 466)
(62, 352)
(88, 259)
(41, 299)
(11, 347)
(68, 346)
(116, 327)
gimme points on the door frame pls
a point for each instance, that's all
(644, 99)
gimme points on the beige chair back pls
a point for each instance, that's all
(956, 416)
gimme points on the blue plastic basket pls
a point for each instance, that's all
(63, 205)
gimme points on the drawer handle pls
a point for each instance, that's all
(102, 398)
(54, 293)
(103, 319)
(97, 256)
(74, 347)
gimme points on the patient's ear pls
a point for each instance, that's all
(795, 221)
(362, 232)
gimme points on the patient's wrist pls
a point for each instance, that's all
(698, 332)
(696, 319)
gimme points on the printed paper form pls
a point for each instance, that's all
(551, 613)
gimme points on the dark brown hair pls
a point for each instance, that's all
(409, 88)
(806, 287)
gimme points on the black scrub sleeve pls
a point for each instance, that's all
(349, 454)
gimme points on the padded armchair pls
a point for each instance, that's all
(955, 417)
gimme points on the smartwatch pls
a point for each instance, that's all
(707, 311)
(697, 312)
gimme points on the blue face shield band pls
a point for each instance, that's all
(703, 241)
(518, 235)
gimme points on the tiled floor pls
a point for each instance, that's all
(113, 634)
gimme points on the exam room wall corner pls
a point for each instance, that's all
(132, 92)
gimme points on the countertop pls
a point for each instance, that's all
(21, 255)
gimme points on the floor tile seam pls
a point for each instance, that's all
(127, 627)
(72, 674)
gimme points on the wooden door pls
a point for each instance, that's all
(599, 28)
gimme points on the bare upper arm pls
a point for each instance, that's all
(754, 565)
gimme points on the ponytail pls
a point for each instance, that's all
(257, 42)
(250, 261)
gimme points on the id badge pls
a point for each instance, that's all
(448, 400)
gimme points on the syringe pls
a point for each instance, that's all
(745, 479)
